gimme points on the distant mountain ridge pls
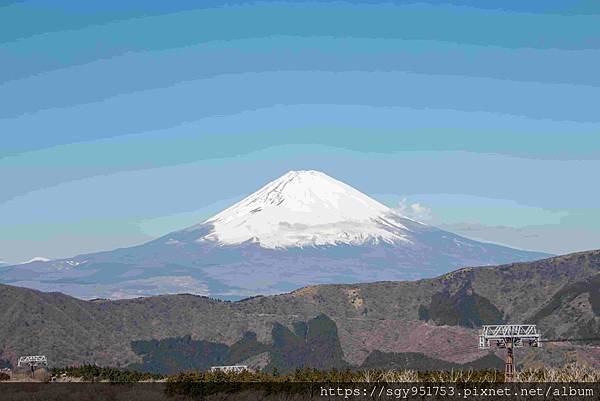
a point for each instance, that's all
(384, 323)
(303, 228)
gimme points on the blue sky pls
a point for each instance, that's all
(122, 121)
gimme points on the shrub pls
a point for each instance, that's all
(93, 373)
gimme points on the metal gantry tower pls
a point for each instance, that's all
(33, 361)
(509, 336)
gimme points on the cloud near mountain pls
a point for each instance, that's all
(302, 228)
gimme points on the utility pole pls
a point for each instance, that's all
(509, 367)
(509, 336)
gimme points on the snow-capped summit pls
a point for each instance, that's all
(306, 208)
(303, 228)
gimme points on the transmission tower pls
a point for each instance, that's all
(33, 361)
(509, 336)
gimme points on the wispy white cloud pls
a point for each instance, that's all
(505, 222)
(415, 211)
(552, 238)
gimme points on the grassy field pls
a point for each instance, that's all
(99, 384)
(569, 373)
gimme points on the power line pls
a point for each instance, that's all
(562, 340)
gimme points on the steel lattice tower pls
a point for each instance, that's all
(33, 361)
(509, 336)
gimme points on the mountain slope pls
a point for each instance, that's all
(306, 208)
(574, 311)
(303, 228)
(383, 316)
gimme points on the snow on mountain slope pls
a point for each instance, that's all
(36, 259)
(306, 208)
(303, 228)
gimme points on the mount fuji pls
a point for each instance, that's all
(303, 228)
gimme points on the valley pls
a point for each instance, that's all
(386, 322)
